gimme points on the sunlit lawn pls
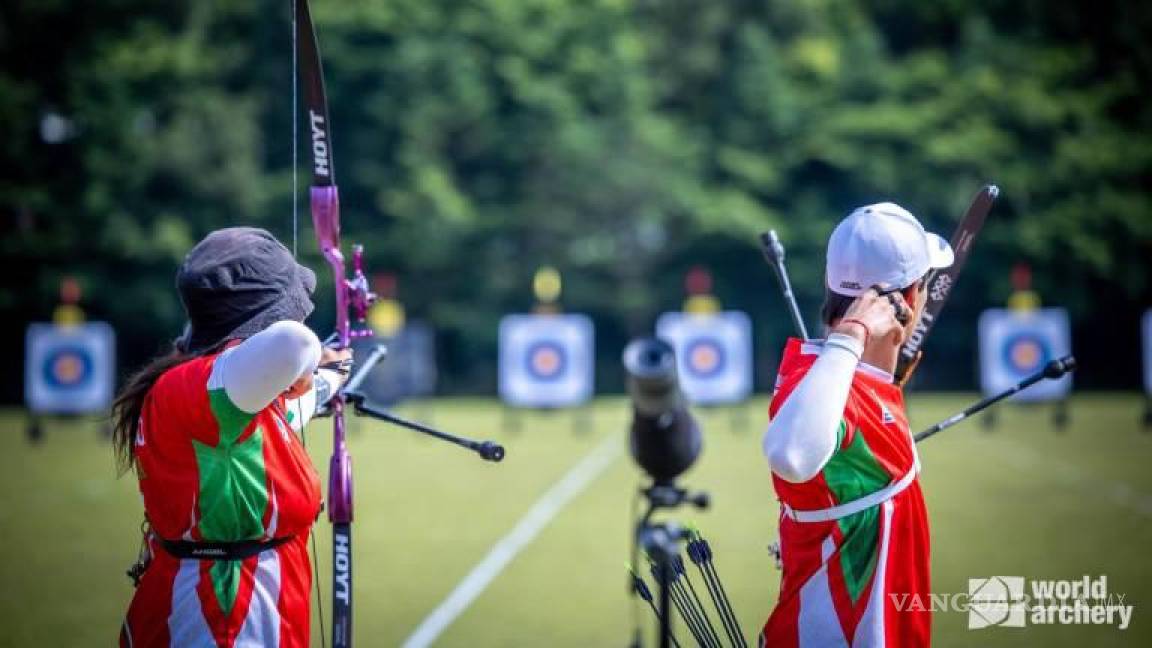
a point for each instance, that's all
(1022, 500)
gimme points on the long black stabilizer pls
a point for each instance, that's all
(1052, 371)
(773, 251)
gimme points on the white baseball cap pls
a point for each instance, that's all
(882, 244)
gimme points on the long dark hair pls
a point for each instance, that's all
(129, 405)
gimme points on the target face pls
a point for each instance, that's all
(546, 360)
(67, 366)
(713, 354)
(705, 357)
(69, 369)
(1015, 345)
(1026, 353)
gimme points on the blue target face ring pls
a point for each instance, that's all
(67, 367)
(1026, 353)
(546, 361)
(704, 357)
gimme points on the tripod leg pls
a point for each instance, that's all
(989, 419)
(511, 420)
(35, 429)
(1060, 414)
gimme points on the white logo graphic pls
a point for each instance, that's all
(1001, 601)
(319, 144)
(885, 414)
(282, 427)
(941, 287)
(996, 601)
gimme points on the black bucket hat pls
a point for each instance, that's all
(235, 283)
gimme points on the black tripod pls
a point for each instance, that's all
(660, 541)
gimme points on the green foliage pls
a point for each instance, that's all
(619, 140)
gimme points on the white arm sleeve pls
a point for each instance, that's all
(260, 368)
(803, 435)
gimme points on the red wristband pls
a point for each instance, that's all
(853, 320)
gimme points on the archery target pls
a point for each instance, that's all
(67, 367)
(704, 357)
(713, 354)
(1015, 345)
(1026, 353)
(1148, 352)
(69, 370)
(546, 360)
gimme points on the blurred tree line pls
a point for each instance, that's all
(622, 141)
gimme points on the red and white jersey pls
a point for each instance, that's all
(846, 570)
(210, 472)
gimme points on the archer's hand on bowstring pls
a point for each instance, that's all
(338, 360)
(878, 318)
(336, 364)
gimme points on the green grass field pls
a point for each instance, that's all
(1021, 500)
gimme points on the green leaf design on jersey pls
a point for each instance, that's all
(853, 472)
(225, 575)
(233, 484)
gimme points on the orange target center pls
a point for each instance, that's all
(704, 358)
(1026, 354)
(67, 369)
(546, 361)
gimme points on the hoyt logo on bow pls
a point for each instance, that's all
(322, 163)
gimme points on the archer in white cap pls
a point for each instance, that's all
(853, 529)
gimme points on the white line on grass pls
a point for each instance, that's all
(526, 530)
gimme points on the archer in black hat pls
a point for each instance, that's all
(211, 431)
(238, 281)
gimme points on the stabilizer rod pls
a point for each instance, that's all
(488, 450)
(773, 251)
(1051, 371)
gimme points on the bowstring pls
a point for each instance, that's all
(295, 134)
(295, 246)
